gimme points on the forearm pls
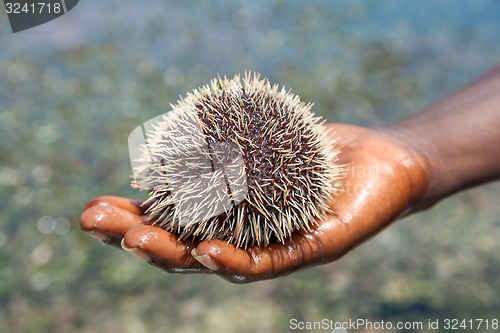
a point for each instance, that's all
(459, 138)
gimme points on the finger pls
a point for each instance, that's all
(132, 205)
(108, 223)
(260, 263)
(162, 249)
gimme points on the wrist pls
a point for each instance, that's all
(421, 165)
(457, 138)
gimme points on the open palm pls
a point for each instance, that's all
(385, 179)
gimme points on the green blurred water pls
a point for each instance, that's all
(72, 90)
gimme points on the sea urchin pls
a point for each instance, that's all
(239, 160)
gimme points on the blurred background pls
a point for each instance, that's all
(72, 90)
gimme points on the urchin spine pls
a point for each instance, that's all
(239, 160)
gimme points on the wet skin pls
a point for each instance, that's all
(392, 171)
(384, 179)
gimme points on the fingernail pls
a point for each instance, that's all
(205, 260)
(91, 203)
(98, 235)
(135, 251)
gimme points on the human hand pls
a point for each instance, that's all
(385, 179)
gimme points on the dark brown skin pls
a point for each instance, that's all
(391, 172)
